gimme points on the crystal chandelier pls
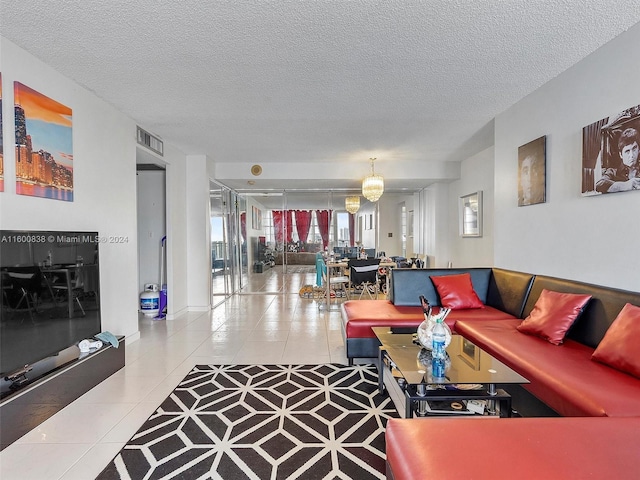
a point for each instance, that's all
(373, 185)
(352, 204)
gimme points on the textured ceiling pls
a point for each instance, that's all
(310, 90)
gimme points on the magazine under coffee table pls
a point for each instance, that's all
(468, 387)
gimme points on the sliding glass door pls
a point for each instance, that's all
(221, 276)
(252, 232)
(229, 242)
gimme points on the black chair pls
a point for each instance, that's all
(25, 287)
(70, 282)
(401, 262)
(363, 276)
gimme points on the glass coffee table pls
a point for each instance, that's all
(468, 387)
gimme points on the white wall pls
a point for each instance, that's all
(176, 178)
(368, 238)
(433, 235)
(592, 239)
(390, 221)
(198, 234)
(104, 150)
(477, 174)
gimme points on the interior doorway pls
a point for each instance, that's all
(152, 225)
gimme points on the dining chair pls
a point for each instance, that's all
(363, 276)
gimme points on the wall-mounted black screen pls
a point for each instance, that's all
(50, 294)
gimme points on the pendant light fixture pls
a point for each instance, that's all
(352, 204)
(373, 185)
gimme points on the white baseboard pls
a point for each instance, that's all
(132, 338)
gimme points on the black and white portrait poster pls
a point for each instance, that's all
(532, 172)
(610, 154)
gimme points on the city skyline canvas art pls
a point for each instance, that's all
(44, 145)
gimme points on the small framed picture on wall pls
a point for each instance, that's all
(470, 215)
(532, 172)
(256, 218)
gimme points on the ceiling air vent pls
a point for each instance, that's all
(152, 143)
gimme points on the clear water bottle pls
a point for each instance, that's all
(438, 353)
(437, 368)
(438, 339)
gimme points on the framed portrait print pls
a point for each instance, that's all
(532, 172)
(470, 215)
(610, 154)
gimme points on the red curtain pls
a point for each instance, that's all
(352, 229)
(303, 223)
(282, 219)
(324, 220)
(289, 231)
(278, 226)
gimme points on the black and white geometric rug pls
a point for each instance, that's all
(263, 422)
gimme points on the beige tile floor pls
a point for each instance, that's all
(267, 323)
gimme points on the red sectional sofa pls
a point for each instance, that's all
(564, 377)
(528, 448)
(503, 293)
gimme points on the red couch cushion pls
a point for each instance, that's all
(360, 315)
(563, 376)
(481, 448)
(620, 347)
(553, 314)
(456, 292)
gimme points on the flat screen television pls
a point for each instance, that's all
(50, 294)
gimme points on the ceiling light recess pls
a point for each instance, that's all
(373, 185)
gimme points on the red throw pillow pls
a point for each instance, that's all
(619, 347)
(553, 314)
(456, 292)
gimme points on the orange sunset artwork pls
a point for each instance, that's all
(44, 145)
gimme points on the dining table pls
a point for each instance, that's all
(339, 266)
